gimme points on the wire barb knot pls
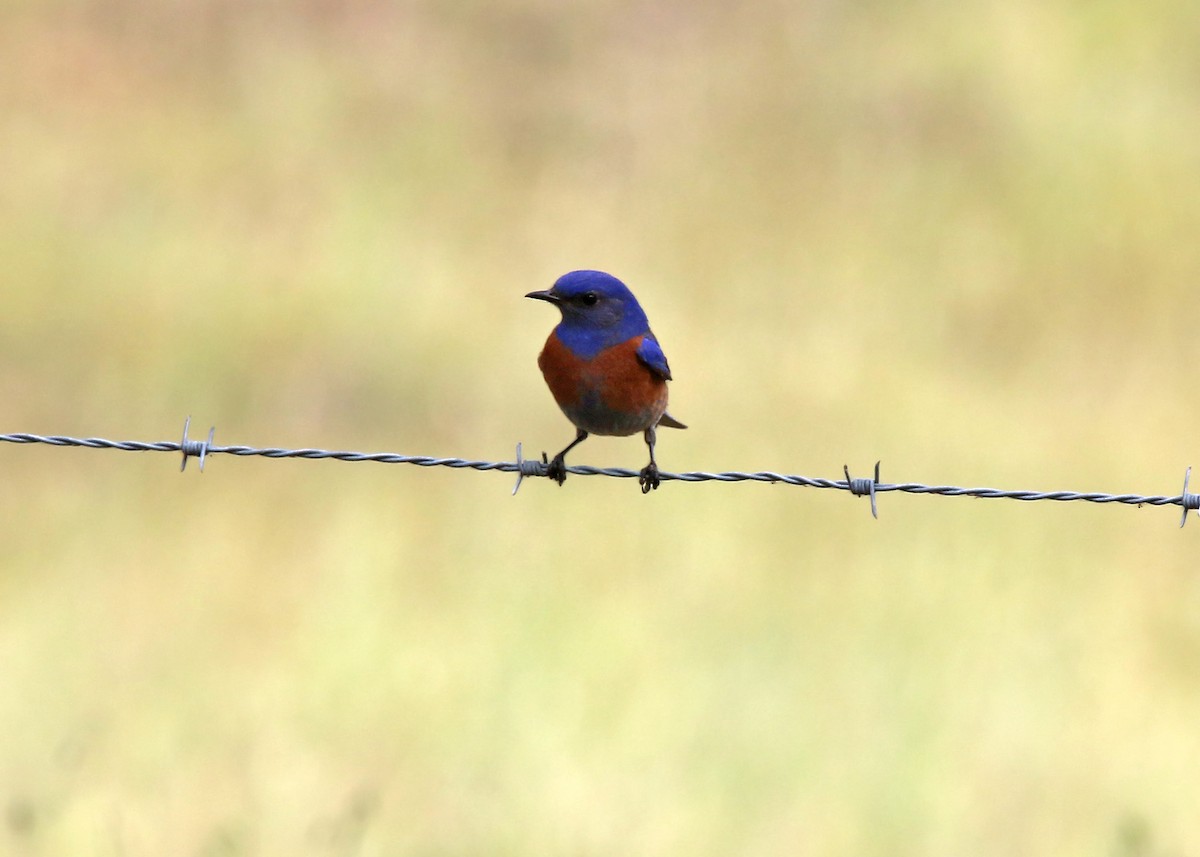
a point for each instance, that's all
(529, 467)
(863, 487)
(1187, 500)
(194, 448)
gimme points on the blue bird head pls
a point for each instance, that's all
(598, 311)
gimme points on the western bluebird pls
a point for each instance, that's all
(604, 366)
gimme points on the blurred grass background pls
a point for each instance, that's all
(959, 238)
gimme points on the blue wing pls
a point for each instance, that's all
(651, 354)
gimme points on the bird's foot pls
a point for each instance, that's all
(648, 478)
(557, 468)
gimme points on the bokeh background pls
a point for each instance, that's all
(960, 238)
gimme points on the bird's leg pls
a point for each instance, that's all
(557, 469)
(648, 478)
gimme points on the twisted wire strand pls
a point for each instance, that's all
(525, 467)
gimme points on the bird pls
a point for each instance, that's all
(604, 366)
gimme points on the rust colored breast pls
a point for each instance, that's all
(563, 372)
(627, 384)
(614, 393)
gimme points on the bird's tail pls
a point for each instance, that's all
(670, 422)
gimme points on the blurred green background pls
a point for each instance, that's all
(960, 238)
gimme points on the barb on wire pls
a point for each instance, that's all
(861, 487)
(869, 487)
(1186, 500)
(196, 448)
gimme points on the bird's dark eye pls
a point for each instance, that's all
(589, 298)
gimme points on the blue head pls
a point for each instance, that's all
(598, 311)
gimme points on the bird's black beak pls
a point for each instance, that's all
(545, 295)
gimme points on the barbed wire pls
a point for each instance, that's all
(863, 486)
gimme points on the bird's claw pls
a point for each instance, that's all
(648, 478)
(556, 469)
